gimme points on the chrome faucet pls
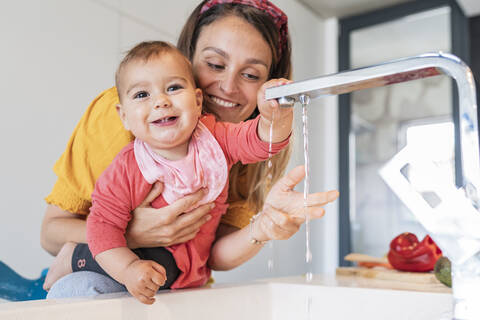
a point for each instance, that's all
(454, 224)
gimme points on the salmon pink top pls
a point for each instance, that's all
(213, 149)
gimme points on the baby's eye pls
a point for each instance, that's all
(141, 95)
(215, 66)
(251, 76)
(174, 87)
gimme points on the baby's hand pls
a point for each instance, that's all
(144, 278)
(268, 107)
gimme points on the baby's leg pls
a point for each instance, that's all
(83, 284)
(82, 260)
(72, 257)
(61, 265)
(77, 257)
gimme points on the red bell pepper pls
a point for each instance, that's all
(407, 254)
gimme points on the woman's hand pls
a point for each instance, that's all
(282, 216)
(169, 225)
(284, 212)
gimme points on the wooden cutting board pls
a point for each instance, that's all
(387, 274)
(394, 279)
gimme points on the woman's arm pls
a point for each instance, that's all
(149, 227)
(281, 218)
(60, 226)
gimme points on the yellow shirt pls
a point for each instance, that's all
(97, 139)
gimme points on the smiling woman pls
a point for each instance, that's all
(231, 70)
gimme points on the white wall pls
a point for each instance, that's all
(59, 54)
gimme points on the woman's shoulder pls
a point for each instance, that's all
(108, 95)
(208, 118)
(209, 121)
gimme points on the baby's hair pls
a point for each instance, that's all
(145, 51)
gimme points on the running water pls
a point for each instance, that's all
(304, 100)
(268, 186)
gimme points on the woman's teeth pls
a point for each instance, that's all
(223, 103)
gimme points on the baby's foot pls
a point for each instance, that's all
(61, 266)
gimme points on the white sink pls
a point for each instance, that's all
(265, 300)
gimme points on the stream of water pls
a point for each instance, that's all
(308, 253)
(270, 264)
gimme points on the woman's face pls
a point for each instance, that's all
(231, 62)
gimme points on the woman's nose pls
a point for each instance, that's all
(229, 83)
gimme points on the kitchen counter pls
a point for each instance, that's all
(325, 297)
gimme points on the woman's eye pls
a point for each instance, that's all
(215, 66)
(174, 87)
(140, 95)
(251, 76)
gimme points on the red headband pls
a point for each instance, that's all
(279, 18)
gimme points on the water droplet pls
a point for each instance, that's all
(309, 277)
(308, 256)
(270, 264)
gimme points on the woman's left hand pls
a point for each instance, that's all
(284, 212)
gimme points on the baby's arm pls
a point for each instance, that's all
(142, 278)
(282, 117)
(112, 201)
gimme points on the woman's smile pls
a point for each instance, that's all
(222, 102)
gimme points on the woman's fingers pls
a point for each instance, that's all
(191, 222)
(156, 190)
(291, 179)
(198, 215)
(278, 225)
(288, 182)
(168, 225)
(170, 214)
(284, 198)
(186, 203)
(186, 225)
(314, 212)
(322, 198)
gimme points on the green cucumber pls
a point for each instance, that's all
(443, 271)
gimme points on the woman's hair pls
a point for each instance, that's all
(281, 68)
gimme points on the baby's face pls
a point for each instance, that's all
(160, 104)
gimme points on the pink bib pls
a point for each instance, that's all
(204, 166)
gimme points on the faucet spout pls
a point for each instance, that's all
(455, 223)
